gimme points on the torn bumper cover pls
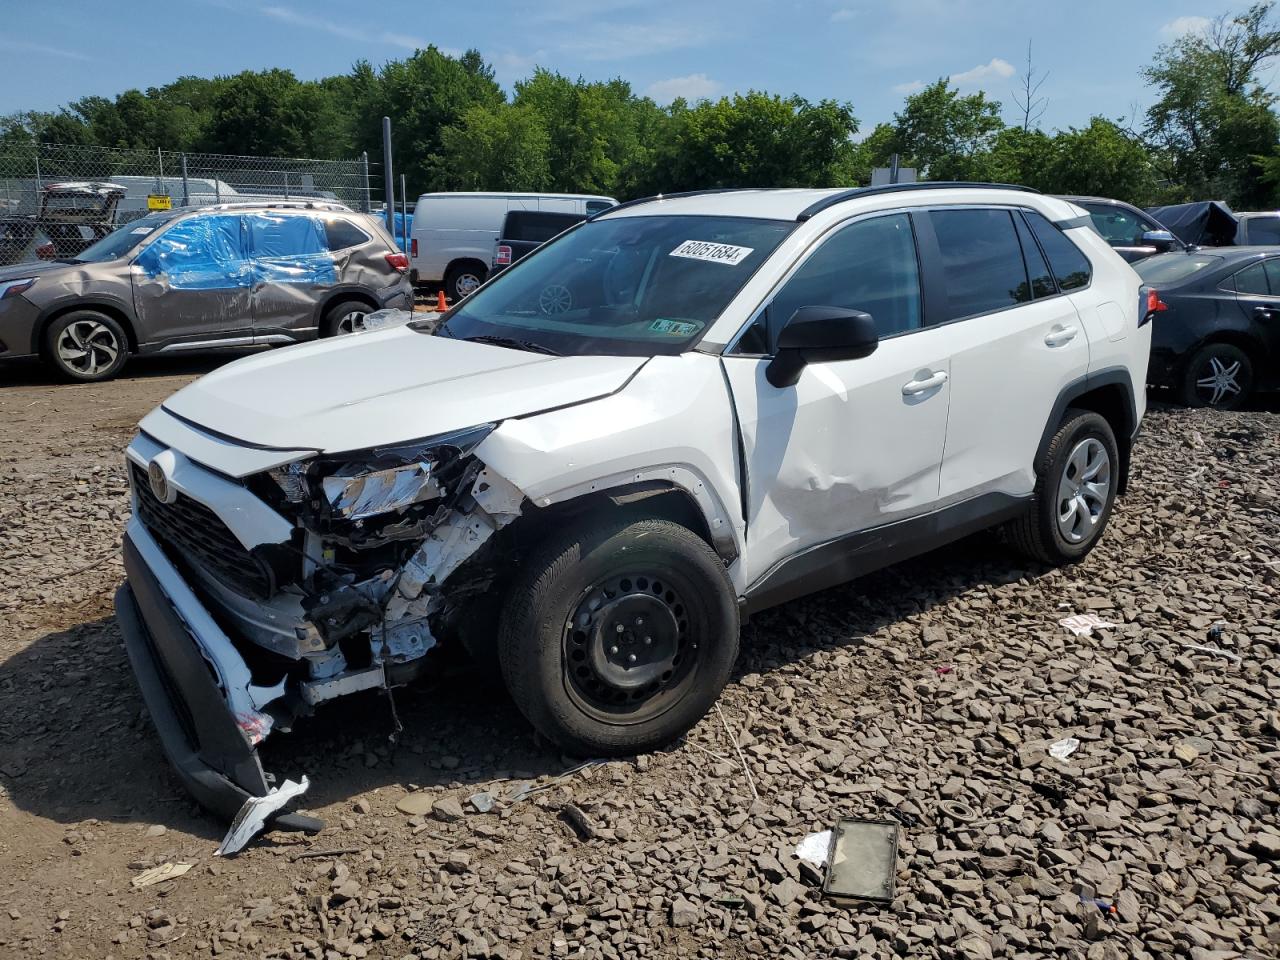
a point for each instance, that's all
(205, 741)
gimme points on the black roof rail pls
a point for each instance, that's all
(852, 194)
(669, 196)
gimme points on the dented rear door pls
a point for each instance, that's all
(293, 270)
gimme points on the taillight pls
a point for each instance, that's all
(1149, 304)
(398, 261)
(503, 257)
(413, 247)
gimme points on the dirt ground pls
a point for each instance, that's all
(927, 693)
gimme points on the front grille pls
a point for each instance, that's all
(201, 539)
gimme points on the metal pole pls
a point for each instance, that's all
(364, 162)
(893, 168)
(286, 184)
(388, 180)
(186, 193)
(160, 166)
(404, 214)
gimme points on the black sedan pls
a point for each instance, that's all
(1218, 337)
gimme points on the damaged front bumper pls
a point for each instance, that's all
(186, 679)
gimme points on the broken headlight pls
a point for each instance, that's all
(355, 496)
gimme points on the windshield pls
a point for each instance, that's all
(625, 286)
(119, 242)
(1173, 268)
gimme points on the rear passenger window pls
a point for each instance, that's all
(981, 261)
(869, 265)
(286, 235)
(1071, 267)
(1253, 280)
(1042, 284)
(341, 234)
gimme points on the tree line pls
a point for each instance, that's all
(1212, 132)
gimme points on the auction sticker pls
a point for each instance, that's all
(674, 328)
(712, 252)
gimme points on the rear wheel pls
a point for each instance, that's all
(86, 346)
(1217, 375)
(1075, 491)
(619, 636)
(463, 279)
(345, 316)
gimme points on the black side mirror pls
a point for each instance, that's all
(1162, 240)
(820, 335)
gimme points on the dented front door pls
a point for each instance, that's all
(192, 283)
(854, 444)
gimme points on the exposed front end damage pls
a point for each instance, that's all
(254, 599)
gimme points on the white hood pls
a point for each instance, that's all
(387, 387)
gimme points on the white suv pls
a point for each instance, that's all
(680, 411)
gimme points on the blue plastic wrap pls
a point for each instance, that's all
(290, 249)
(203, 253)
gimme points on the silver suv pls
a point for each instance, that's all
(227, 275)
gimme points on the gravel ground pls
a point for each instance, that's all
(927, 694)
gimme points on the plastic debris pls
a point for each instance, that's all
(166, 871)
(252, 818)
(1213, 651)
(1102, 905)
(1083, 624)
(863, 861)
(1061, 749)
(814, 848)
(943, 670)
(483, 802)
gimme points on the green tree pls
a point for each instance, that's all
(495, 148)
(1018, 155)
(1213, 115)
(945, 135)
(1099, 160)
(757, 140)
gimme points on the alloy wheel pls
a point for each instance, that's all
(467, 284)
(351, 322)
(1083, 490)
(1218, 380)
(87, 347)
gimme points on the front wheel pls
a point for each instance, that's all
(1217, 375)
(619, 636)
(86, 346)
(1078, 477)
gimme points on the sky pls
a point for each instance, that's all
(869, 54)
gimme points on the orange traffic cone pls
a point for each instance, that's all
(441, 305)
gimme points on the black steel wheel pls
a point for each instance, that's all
(618, 637)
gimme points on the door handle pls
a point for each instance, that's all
(1266, 313)
(1060, 335)
(914, 387)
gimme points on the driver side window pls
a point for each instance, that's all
(870, 266)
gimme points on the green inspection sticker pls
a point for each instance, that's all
(675, 328)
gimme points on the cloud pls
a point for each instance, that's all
(997, 69)
(910, 87)
(843, 14)
(1182, 25)
(348, 31)
(696, 86)
(618, 41)
(22, 46)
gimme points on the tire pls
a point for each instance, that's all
(1218, 375)
(345, 316)
(86, 346)
(601, 580)
(462, 280)
(1060, 529)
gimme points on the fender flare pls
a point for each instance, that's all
(1107, 377)
(78, 301)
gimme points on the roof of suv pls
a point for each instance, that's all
(784, 203)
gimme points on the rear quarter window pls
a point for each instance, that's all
(1070, 266)
(341, 234)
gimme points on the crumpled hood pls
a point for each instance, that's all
(386, 387)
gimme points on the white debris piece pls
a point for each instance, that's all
(814, 848)
(391, 317)
(1083, 624)
(1061, 749)
(166, 871)
(253, 816)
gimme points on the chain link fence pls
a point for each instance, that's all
(56, 199)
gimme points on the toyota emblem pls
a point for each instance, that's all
(159, 482)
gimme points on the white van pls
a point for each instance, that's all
(454, 233)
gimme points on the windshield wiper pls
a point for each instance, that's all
(514, 344)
